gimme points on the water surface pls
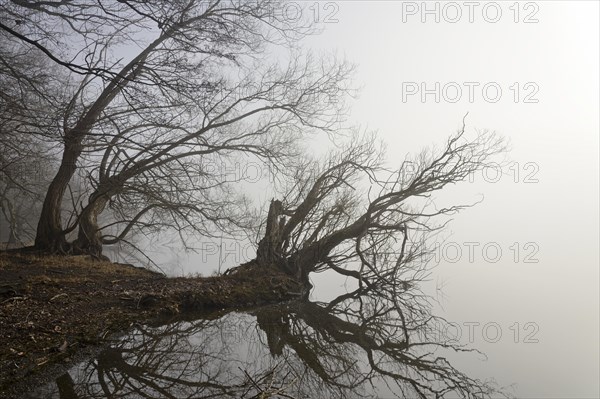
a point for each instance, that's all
(361, 344)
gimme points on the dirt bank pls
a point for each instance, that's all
(54, 308)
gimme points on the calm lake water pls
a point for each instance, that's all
(362, 344)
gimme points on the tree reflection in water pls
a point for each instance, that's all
(367, 343)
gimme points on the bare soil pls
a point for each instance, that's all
(54, 308)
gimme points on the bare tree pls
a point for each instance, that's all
(168, 177)
(325, 222)
(45, 30)
(197, 88)
(197, 91)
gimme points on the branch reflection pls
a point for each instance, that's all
(368, 343)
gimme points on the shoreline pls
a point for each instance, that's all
(53, 309)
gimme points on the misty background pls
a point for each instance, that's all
(542, 213)
(518, 273)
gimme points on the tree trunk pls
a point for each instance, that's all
(271, 249)
(89, 239)
(50, 235)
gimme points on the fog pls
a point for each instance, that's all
(517, 273)
(524, 262)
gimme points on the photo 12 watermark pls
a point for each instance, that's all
(295, 12)
(490, 332)
(317, 12)
(470, 92)
(231, 252)
(453, 12)
(485, 252)
(515, 172)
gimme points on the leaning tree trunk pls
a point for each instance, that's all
(271, 250)
(89, 239)
(50, 235)
(299, 262)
